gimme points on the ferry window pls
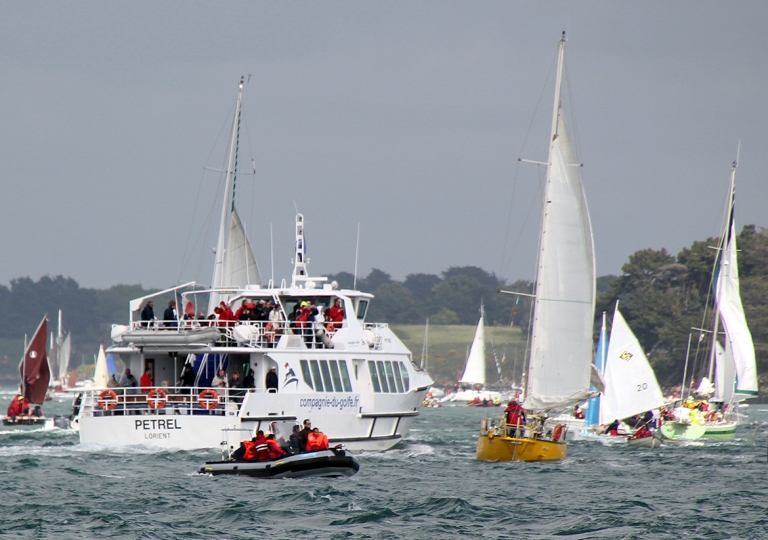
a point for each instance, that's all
(305, 372)
(397, 377)
(374, 377)
(316, 375)
(383, 377)
(326, 375)
(345, 375)
(404, 373)
(391, 378)
(362, 305)
(335, 376)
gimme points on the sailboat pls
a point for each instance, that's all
(734, 364)
(560, 354)
(474, 372)
(631, 387)
(35, 375)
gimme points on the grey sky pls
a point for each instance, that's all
(407, 117)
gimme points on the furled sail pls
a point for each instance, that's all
(33, 368)
(630, 384)
(64, 354)
(561, 344)
(240, 268)
(474, 372)
(731, 310)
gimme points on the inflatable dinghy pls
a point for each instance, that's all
(328, 463)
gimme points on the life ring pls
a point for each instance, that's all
(108, 404)
(156, 398)
(557, 433)
(269, 331)
(208, 399)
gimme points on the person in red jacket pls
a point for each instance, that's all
(336, 314)
(16, 408)
(317, 441)
(274, 451)
(146, 381)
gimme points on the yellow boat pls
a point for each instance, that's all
(498, 444)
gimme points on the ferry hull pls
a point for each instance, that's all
(518, 449)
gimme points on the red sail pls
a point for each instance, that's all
(34, 370)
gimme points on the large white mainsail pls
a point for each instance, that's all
(564, 308)
(474, 372)
(630, 384)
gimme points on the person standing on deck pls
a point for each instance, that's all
(271, 381)
(148, 314)
(146, 380)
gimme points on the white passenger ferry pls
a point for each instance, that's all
(353, 379)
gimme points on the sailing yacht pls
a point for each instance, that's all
(352, 378)
(35, 375)
(564, 305)
(631, 387)
(733, 365)
(474, 372)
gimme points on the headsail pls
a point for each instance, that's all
(593, 410)
(240, 266)
(474, 372)
(630, 384)
(561, 344)
(100, 375)
(33, 368)
(737, 334)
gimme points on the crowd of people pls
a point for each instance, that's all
(315, 323)
(272, 446)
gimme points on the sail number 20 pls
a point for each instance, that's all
(641, 387)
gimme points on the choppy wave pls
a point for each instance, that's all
(429, 486)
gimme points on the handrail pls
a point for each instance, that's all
(165, 400)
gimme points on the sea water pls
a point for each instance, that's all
(428, 486)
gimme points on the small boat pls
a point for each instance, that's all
(324, 463)
(35, 377)
(643, 442)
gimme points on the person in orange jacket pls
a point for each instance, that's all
(316, 441)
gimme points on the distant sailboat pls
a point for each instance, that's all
(35, 376)
(474, 371)
(100, 371)
(564, 308)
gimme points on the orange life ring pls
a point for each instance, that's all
(156, 398)
(269, 331)
(108, 404)
(557, 433)
(208, 399)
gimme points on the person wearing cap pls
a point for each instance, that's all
(16, 408)
(271, 381)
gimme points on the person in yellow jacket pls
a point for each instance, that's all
(316, 441)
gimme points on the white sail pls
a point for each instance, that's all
(100, 375)
(737, 334)
(630, 384)
(64, 354)
(240, 267)
(561, 344)
(474, 372)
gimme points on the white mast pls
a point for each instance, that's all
(299, 258)
(228, 205)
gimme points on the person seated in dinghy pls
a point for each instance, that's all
(643, 432)
(578, 413)
(613, 428)
(273, 448)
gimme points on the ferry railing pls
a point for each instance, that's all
(255, 334)
(163, 400)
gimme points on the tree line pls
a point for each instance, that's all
(662, 296)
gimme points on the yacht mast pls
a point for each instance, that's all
(228, 204)
(553, 136)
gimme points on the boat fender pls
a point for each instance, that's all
(557, 433)
(108, 400)
(117, 332)
(208, 399)
(156, 398)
